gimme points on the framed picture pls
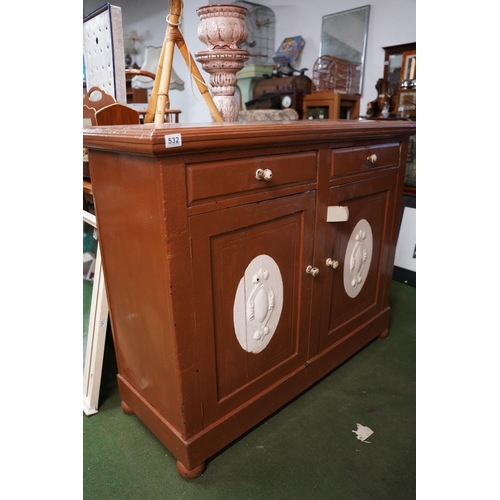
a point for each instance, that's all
(405, 262)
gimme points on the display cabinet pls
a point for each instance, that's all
(243, 262)
(400, 78)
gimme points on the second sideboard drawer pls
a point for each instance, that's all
(221, 179)
(355, 160)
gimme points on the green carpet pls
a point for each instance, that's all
(307, 450)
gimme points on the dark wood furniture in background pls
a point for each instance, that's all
(138, 98)
(243, 262)
(280, 92)
(395, 88)
(390, 89)
(136, 95)
(171, 115)
(330, 105)
(392, 72)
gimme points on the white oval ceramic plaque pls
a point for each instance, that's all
(258, 304)
(358, 257)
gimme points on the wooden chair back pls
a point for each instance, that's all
(97, 98)
(93, 101)
(139, 72)
(117, 114)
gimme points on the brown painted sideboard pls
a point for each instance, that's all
(243, 262)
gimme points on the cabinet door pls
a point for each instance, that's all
(252, 297)
(354, 287)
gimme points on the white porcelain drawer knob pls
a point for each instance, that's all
(372, 158)
(332, 263)
(263, 174)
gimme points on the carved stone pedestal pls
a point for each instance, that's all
(222, 28)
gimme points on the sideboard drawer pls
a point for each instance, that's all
(355, 160)
(227, 178)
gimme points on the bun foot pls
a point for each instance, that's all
(126, 408)
(384, 334)
(190, 474)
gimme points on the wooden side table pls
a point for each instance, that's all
(330, 105)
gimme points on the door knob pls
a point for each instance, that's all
(313, 271)
(332, 263)
(262, 174)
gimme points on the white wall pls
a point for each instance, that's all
(392, 22)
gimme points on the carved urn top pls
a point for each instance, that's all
(222, 9)
(222, 26)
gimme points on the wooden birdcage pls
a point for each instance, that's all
(338, 75)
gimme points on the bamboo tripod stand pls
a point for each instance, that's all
(159, 100)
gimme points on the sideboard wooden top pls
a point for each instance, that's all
(151, 139)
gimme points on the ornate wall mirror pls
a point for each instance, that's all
(344, 35)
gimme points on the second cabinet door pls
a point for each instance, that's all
(252, 297)
(352, 288)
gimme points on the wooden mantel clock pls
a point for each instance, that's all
(243, 262)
